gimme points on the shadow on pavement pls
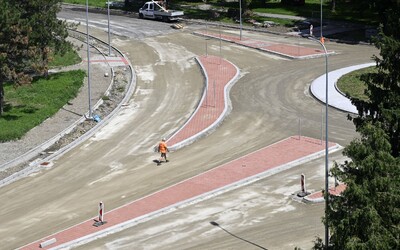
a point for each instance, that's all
(254, 244)
(72, 112)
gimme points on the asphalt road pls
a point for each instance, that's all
(116, 164)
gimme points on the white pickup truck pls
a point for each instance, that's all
(153, 10)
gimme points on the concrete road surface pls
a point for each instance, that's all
(116, 165)
(264, 215)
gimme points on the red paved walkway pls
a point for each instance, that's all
(269, 158)
(319, 196)
(219, 74)
(286, 50)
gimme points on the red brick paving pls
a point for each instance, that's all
(248, 166)
(219, 74)
(292, 50)
(318, 196)
(286, 50)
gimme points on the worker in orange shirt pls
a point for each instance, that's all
(163, 149)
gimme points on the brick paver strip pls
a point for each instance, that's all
(286, 50)
(213, 107)
(319, 196)
(270, 158)
(292, 50)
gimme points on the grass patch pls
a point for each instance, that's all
(94, 3)
(71, 57)
(310, 9)
(29, 105)
(351, 83)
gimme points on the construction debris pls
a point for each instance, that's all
(177, 26)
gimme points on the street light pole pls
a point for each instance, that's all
(220, 41)
(321, 22)
(326, 195)
(109, 40)
(88, 57)
(240, 17)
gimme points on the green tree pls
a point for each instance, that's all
(16, 53)
(29, 31)
(367, 214)
(383, 87)
(49, 34)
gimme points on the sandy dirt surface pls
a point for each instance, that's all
(116, 165)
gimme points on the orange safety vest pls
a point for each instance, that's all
(162, 147)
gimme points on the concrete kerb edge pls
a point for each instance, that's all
(316, 97)
(297, 57)
(208, 195)
(332, 53)
(34, 168)
(214, 125)
(334, 80)
(313, 201)
(276, 53)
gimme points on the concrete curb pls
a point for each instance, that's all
(212, 127)
(336, 98)
(313, 201)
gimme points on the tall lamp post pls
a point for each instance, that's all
(109, 40)
(326, 195)
(240, 17)
(321, 22)
(88, 57)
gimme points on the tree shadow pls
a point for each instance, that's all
(9, 117)
(237, 237)
(7, 107)
(72, 112)
(11, 113)
(28, 109)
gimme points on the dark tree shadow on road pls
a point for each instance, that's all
(72, 112)
(237, 237)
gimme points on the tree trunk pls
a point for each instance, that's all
(1, 98)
